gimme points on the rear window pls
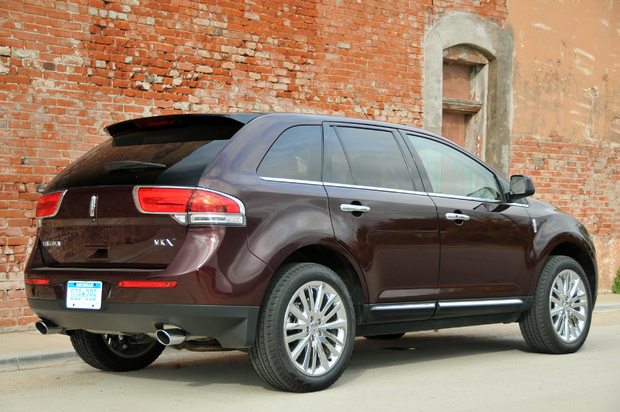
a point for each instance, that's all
(171, 154)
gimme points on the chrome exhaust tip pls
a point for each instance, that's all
(170, 337)
(47, 328)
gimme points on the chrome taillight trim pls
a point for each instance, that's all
(197, 218)
(60, 199)
(228, 219)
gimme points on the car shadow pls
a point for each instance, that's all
(223, 368)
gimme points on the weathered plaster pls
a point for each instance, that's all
(497, 45)
(567, 68)
(567, 84)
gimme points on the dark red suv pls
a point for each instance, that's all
(289, 235)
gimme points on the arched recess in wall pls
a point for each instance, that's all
(469, 45)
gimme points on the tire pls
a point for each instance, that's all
(299, 348)
(559, 320)
(390, 336)
(116, 353)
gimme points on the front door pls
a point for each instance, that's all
(486, 243)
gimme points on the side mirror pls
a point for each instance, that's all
(521, 186)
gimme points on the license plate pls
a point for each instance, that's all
(84, 295)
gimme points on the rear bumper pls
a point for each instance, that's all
(232, 326)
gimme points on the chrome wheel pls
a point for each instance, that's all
(315, 328)
(306, 329)
(568, 306)
(559, 319)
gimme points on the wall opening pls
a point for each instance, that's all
(468, 86)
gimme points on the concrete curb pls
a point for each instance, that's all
(37, 359)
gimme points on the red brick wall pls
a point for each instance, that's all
(581, 178)
(68, 68)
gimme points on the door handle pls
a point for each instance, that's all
(457, 216)
(354, 208)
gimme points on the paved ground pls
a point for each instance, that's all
(486, 367)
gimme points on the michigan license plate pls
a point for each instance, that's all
(84, 295)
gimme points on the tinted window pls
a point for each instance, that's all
(337, 168)
(178, 154)
(184, 164)
(295, 155)
(373, 156)
(451, 172)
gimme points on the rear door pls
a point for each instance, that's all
(380, 216)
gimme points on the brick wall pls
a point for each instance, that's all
(69, 68)
(566, 124)
(583, 179)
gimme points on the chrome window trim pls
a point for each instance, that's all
(285, 180)
(381, 189)
(387, 189)
(475, 199)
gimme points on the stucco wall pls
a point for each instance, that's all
(566, 128)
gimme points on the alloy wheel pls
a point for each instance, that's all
(568, 306)
(315, 328)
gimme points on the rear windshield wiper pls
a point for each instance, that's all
(132, 165)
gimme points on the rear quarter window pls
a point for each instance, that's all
(295, 155)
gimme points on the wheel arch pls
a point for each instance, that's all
(338, 262)
(584, 257)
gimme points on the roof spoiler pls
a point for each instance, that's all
(176, 121)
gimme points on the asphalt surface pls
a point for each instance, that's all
(31, 350)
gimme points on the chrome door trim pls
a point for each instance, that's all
(409, 306)
(480, 303)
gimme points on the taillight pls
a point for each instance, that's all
(36, 281)
(211, 208)
(148, 122)
(193, 206)
(209, 202)
(49, 204)
(164, 200)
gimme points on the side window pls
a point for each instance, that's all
(296, 154)
(369, 157)
(451, 172)
(337, 168)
